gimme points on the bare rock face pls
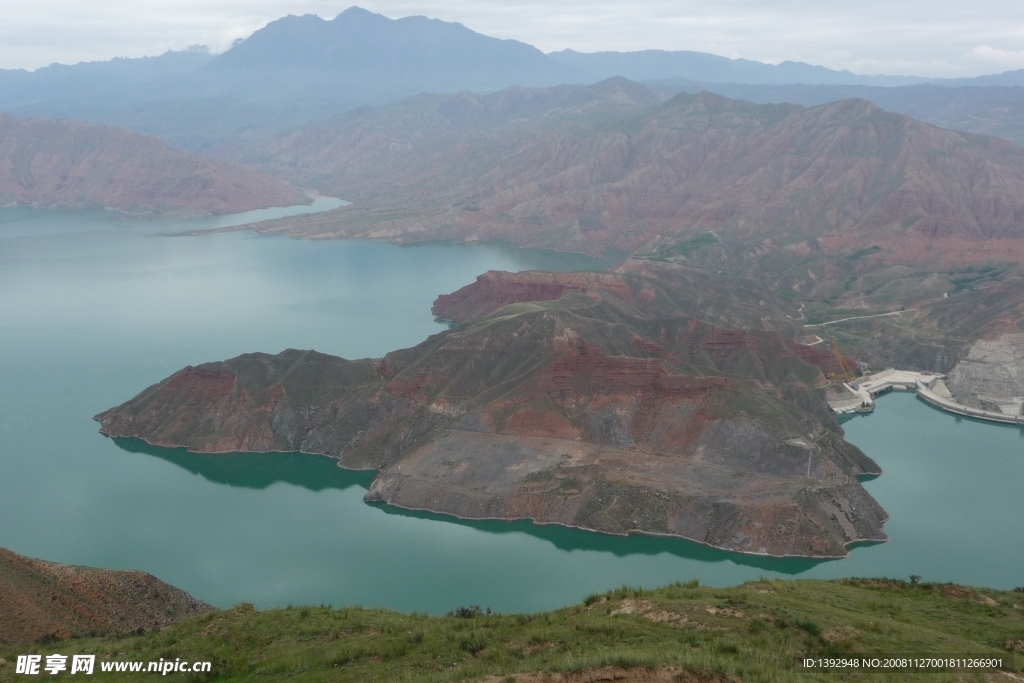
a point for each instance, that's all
(78, 165)
(991, 376)
(589, 410)
(41, 600)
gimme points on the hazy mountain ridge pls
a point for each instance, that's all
(415, 52)
(293, 71)
(650, 65)
(90, 80)
(300, 69)
(77, 165)
(346, 143)
(837, 177)
(990, 110)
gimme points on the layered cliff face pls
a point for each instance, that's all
(588, 410)
(48, 600)
(76, 165)
(832, 179)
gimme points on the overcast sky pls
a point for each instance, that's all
(922, 37)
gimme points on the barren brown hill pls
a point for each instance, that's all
(593, 409)
(431, 124)
(45, 600)
(642, 288)
(69, 164)
(834, 178)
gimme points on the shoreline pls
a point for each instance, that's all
(531, 520)
(960, 410)
(619, 257)
(650, 534)
(929, 388)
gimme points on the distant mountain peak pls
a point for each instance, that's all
(356, 13)
(359, 48)
(294, 19)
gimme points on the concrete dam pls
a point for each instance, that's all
(859, 396)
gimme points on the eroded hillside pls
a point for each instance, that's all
(45, 600)
(68, 164)
(623, 173)
(593, 407)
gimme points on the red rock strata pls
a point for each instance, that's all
(495, 289)
(638, 288)
(594, 410)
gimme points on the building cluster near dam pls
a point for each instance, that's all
(859, 396)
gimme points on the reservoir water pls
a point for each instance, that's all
(94, 308)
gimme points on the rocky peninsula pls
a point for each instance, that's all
(602, 404)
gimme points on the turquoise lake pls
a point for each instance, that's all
(94, 308)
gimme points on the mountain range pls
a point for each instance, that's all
(985, 109)
(652, 65)
(847, 208)
(299, 69)
(610, 167)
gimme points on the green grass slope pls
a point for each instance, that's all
(683, 632)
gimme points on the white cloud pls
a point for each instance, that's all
(1004, 60)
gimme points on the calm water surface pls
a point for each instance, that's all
(93, 309)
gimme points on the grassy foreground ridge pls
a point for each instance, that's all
(683, 632)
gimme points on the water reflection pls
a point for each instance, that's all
(257, 470)
(565, 538)
(316, 473)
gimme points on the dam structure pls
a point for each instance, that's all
(859, 396)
